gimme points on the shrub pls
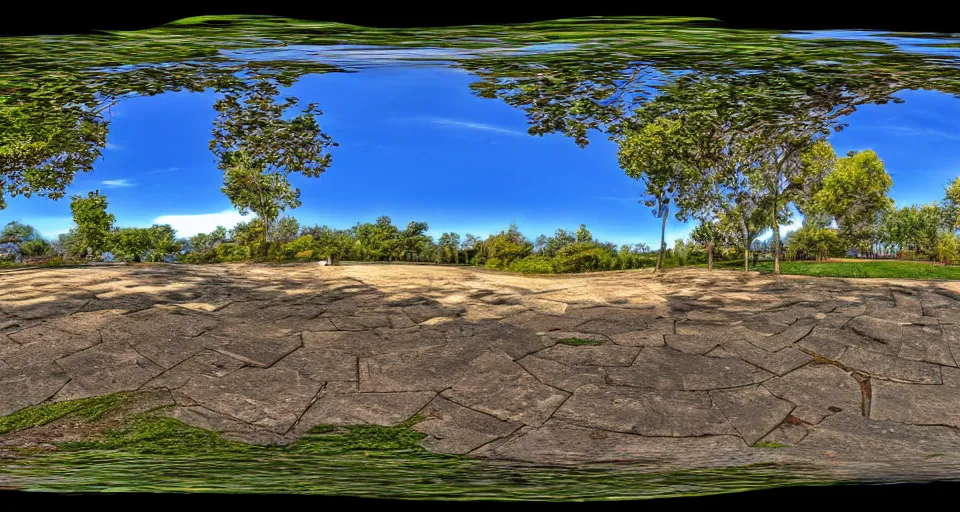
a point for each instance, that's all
(534, 265)
(582, 257)
(948, 249)
(232, 252)
(494, 263)
(304, 255)
(305, 243)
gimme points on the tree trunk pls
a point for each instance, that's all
(776, 240)
(710, 256)
(663, 234)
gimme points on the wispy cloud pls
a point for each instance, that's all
(118, 183)
(911, 131)
(189, 225)
(468, 125)
(112, 147)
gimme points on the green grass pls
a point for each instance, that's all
(769, 444)
(870, 269)
(90, 409)
(152, 453)
(577, 342)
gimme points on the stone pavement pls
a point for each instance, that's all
(692, 368)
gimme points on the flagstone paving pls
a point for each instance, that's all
(689, 368)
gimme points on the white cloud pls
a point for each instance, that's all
(189, 225)
(473, 126)
(118, 183)
(112, 147)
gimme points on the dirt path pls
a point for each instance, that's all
(689, 369)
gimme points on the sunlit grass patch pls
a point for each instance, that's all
(90, 409)
(579, 342)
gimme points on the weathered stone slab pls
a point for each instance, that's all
(346, 408)
(400, 321)
(364, 343)
(259, 352)
(41, 344)
(104, 369)
(889, 333)
(765, 323)
(607, 354)
(166, 335)
(665, 368)
(547, 307)
(645, 412)
(815, 389)
(538, 322)
(916, 404)
(792, 334)
(452, 428)
(935, 348)
(752, 410)
(422, 313)
(84, 322)
(856, 437)
(562, 376)
(888, 367)
(321, 364)
(229, 428)
(554, 443)
(207, 362)
(424, 369)
(43, 308)
(494, 384)
(360, 322)
(268, 398)
(691, 343)
(646, 338)
(28, 386)
(781, 362)
(786, 434)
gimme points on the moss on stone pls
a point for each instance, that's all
(89, 409)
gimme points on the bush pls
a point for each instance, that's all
(948, 249)
(295, 249)
(232, 252)
(534, 265)
(308, 254)
(494, 263)
(200, 257)
(582, 257)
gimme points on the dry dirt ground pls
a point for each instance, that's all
(691, 368)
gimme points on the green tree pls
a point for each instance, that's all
(584, 235)
(92, 223)
(854, 194)
(653, 154)
(952, 202)
(205, 242)
(284, 230)
(450, 244)
(257, 147)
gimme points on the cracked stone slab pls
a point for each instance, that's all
(886, 332)
(258, 352)
(665, 368)
(207, 362)
(346, 408)
(84, 322)
(934, 349)
(569, 443)
(781, 362)
(752, 410)
(691, 343)
(36, 310)
(229, 428)
(916, 404)
(815, 389)
(430, 368)
(562, 376)
(539, 322)
(644, 411)
(786, 433)
(452, 428)
(104, 369)
(360, 322)
(365, 343)
(888, 367)
(494, 384)
(268, 398)
(321, 363)
(29, 386)
(41, 344)
(166, 335)
(864, 438)
(421, 313)
(607, 354)
(783, 339)
(645, 338)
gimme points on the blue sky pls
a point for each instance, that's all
(415, 144)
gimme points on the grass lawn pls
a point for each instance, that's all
(859, 268)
